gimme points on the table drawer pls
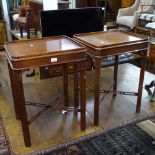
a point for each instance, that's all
(57, 70)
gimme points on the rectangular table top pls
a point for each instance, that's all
(111, 40)
(43, 51)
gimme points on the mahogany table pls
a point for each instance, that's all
(104, 44)
(32, 53)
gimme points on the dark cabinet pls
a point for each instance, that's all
(86, 3)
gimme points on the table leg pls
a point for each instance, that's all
(65, 84)
(22, 106)
(83, 96)
(14, 92)
(141, 79)
(115, 75)
(76, 93)
(97, 89)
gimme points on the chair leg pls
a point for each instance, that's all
(35, 30)
(21, 32)
(152, 99)
(28, 33)
(147, 88)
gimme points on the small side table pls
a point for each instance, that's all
(104, 44)
(32, 53)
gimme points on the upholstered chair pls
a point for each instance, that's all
(24, 20)
(129, 16)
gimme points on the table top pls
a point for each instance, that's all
(111, 43)
(104, 39)
(44, 48)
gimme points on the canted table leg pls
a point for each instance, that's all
(76, 92)
(65, 84)
(82, 96)
(97, 89)
(115, 75)
(141, 79)
(22, 106)
(15, 95)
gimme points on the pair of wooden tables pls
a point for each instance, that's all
(27, 54)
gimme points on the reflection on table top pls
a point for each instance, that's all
(46, 46)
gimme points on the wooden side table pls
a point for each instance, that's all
(104, 44)
(41, 52)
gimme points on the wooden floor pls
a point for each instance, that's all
(53, 127)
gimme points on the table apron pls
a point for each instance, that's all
(118, 50)
(44, 61)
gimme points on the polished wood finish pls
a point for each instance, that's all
(103, 44)
(41, 52)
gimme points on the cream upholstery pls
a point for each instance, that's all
(129, 16)
(15, 16)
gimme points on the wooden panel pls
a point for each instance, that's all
(85, 3)
(1, 11)
(127, 3)
(152, 53)
(36, 7)
(114, 4)
(81, 3)
(3, 33)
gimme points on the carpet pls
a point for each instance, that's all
(130, 140)
(4, 148)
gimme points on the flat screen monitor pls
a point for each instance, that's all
(71, 21)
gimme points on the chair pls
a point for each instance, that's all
(129, 16)
(24, 20)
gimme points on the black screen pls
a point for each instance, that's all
(71, 21)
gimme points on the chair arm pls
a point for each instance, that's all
(123, 12)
